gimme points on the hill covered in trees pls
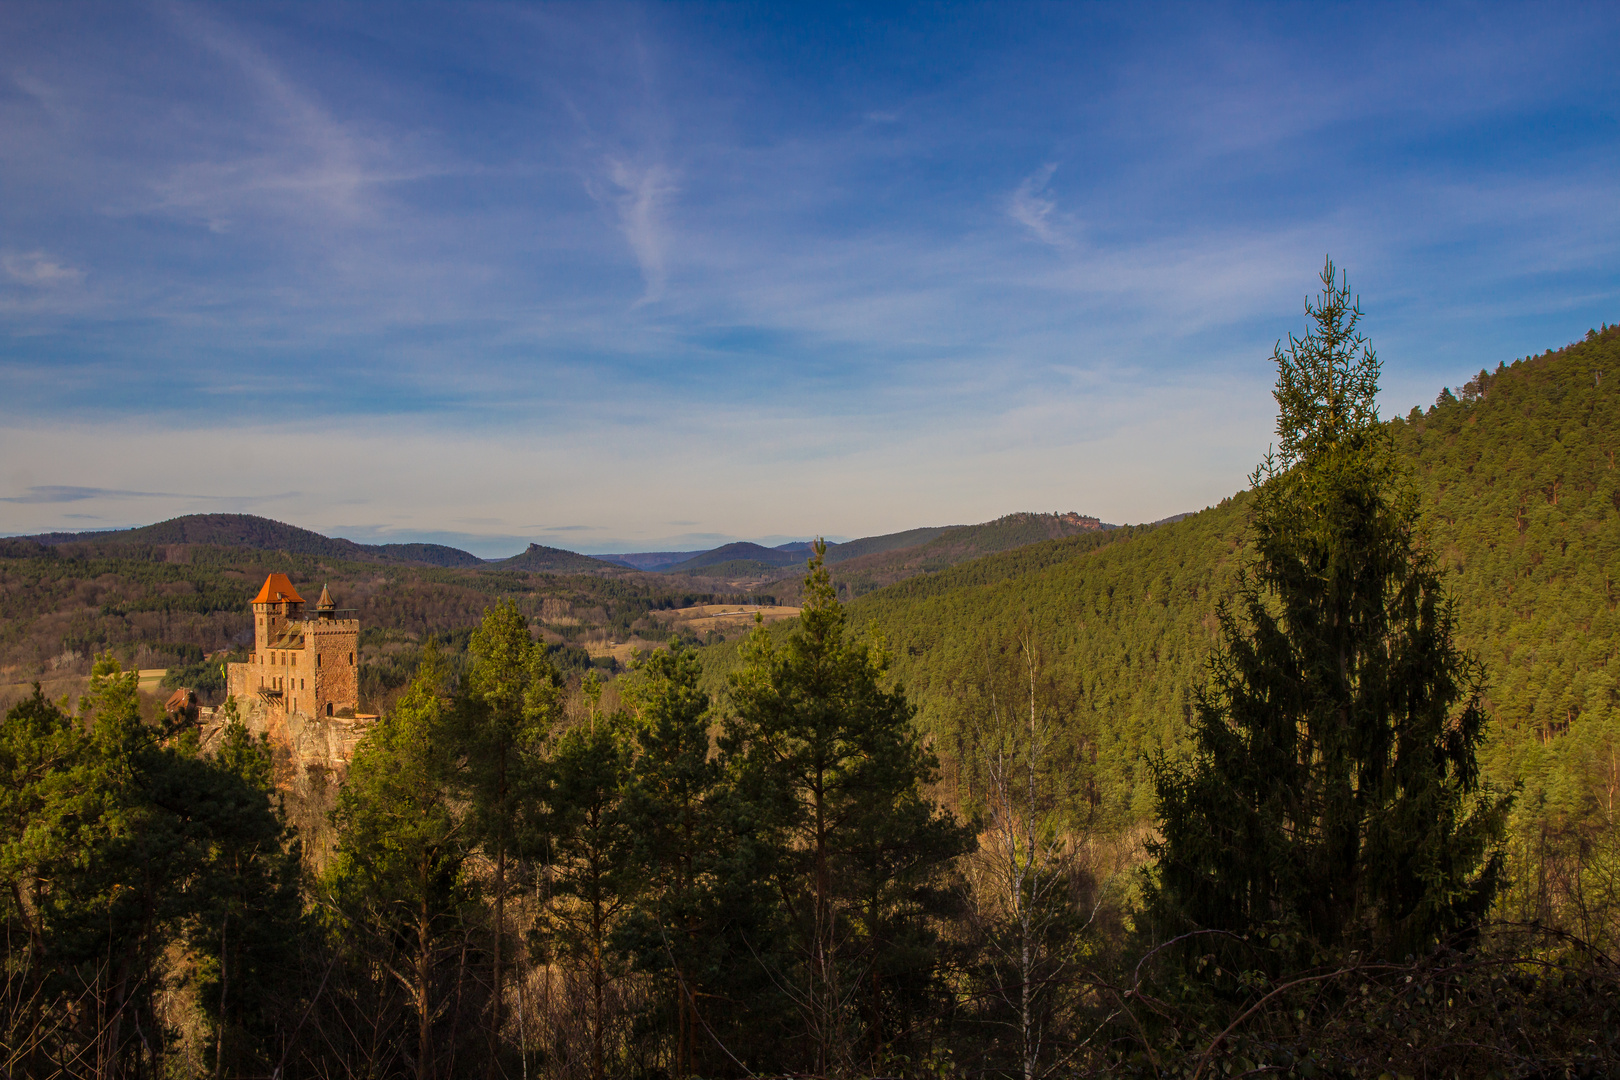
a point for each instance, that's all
(1521, 504)
(257, 534)
(555, 560)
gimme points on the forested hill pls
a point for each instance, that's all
(1517, 476)
(539, 558)
(259, 534)
(934, 550)
(742, 551)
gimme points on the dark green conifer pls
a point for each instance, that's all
(510, 699)
(1333, 788)
(399, 875)
(838, 771)
(593, 869)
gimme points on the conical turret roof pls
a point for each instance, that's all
(326, 600)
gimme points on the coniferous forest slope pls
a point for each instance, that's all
(1521, 503)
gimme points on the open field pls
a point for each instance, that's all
(729, 618)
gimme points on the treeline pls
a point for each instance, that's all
(522, 879)
(155, 606)
(534, 876)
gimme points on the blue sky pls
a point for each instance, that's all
(623, 277)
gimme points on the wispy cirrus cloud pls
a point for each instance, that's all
(67, 493)
(64, 493)
(36, 268)
(715, 260)
(640, 199)
(1033, 207)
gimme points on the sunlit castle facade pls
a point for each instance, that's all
(299, 666)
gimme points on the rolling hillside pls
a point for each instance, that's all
(541, 559)
(1521, 500)
(862, 573)
(741, 551)
(257, 534)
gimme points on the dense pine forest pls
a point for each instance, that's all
(1317, 782)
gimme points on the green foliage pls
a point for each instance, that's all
(831, 761)
(595, 870)
(120, 842)
(399, 877)
(1333, 787)
(249, 906)
(206, 677)
(1516, 493)
(858, 572)
(509, 702)
(1522, 504)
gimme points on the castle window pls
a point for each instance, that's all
(351, 659)
(328, 708)
(317, 659)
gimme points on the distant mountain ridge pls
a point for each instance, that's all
(538, 557)
(864, 564)
(263, 534)
(649, 560)
(660, 561)
(742, 551)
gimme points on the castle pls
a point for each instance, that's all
(300, 687)
(298, 665)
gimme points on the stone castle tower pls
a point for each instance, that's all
(298, 665)
(301, 687)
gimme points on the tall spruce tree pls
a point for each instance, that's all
(1333, 790)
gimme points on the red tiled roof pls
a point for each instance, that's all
(277, 587)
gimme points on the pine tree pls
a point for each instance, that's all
(839, 772)
(673, 805)
(399, 873)
(592, 845)
(1333, 789)
(509, 702)
(247, 919)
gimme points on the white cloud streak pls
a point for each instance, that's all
(1032, 207)
(641, 203)
(38, 269)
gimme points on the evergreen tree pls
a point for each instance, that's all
(592, 849)
(838, 773)
(399, 873)
(40, 748)
(508, 704)
(247, 921)
(673, 805)
(1333, 789)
